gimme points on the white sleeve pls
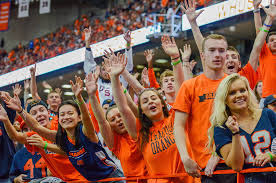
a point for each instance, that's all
(89, 62)
(129, 65)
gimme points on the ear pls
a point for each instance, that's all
(239, 64)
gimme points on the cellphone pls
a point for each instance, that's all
(26, 178)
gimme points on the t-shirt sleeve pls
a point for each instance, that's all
(264, 52)
(183, 99)
(251, 75)
(222, 136)
(152, 79)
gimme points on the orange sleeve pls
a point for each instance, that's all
(251, 75)
(183, 101)
(93, 118)
(264, 52)
(116, 145)
(152, 79)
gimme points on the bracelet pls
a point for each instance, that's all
(45, 145)
(128, 44)
(270, 155)
(175, 63)
(78, 102)
(264, 30)
(257, 10)
(21, 110)
(233, 134)
(125, 90)
(176, 58)
(267, 25)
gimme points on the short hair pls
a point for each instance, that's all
(232, 48)
(166, 73)
(212, 36)
(53, 91)
(270, 34)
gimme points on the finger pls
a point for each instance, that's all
(186, 5)
(264, 162)
(194, 5)
(190, 4)
(182, 7)
(200, 12)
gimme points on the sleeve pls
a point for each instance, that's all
(183, 100)
(11, 113)
(272, 117)
(152, 79)
(222, 136)
(264, 52)
(116, 147)
(251, 75)
(15, 170)
(129, 65)
(89, 62)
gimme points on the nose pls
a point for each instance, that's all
(216, 54)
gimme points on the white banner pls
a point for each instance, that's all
(23, 8)
(45, 6)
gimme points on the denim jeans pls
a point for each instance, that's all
(261, 177)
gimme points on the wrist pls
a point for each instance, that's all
(270, 156)
(234, 133)
(20, 111)
(175, 57)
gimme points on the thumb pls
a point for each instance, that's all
(199, 12)
(234, 118)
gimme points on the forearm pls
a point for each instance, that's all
(132, 81)
(12, 133)
(54, 148)
(235, 158)
(132, 104)
(35, 126)
(104, 126)
(152, 79)
(178, 76)
(180, 140)
(257, 21)
(34, 93)
(127, 115)
(188, 74)
(26, 95)
(89, 64)
(197, 35)
(129, 65)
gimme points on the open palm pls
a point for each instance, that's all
(77, 87)
(169, 46)
(271, 10)
(87, 33)
(190, 10)
(91, 83)
(117, 64)
(12, 103)
(3, 114)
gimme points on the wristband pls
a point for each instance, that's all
(125, 90)
(45, 145)
(128, 44)
(233, 134)
(175, 63)
(21, 110)
(257, 10)
(264, 30)
(176, 58)
(267, 25)
(270, 155)
(78, 102)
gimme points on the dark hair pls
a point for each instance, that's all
(146, 123)
(61, 135)
(270, 34)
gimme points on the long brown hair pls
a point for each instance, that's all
(146, 123)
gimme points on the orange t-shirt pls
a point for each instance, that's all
(160, 153)
(268, 70)
(126, 149)
(251, 75)
(195, 97)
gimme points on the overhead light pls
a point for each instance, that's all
(46, 91)
(156, 69)
(29, 95)
(232, 28)
(68, 93)
(140, 66)
(79, 72)
(161, 61)
(65, 86)
(60, 77)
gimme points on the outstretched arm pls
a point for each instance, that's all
(88, 128)
(260, 39)
(15, 104)
(105, 129)
(116, 66)
(89, 62)
(34, 92)
(129, 65)
(257, 15)
(152, 79)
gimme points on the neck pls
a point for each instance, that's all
(158, 118)
(241, 114)
(214, 74)
(170, 97)
(71, 133)
(54, 108)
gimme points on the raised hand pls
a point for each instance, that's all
(127, 37)
(87, 34)
(186, 53)
(16, 89)
(256, 3)
(149, 55)
(36, 140)
(271, 10)
(189, 9)
(33, 70)
(232, 124)
(77, 88)
(91, 83)
(46, 85)
(12, 103)
(58, 90)
(26, 84)
(3, 114)
(116, 64)
(169, 46)
(145, 77)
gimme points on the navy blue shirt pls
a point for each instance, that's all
(7, 149)
(90, 159)
(259, 141)
(32, 165)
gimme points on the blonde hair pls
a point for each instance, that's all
(221, 111)
(212, 36)
(166, 73)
